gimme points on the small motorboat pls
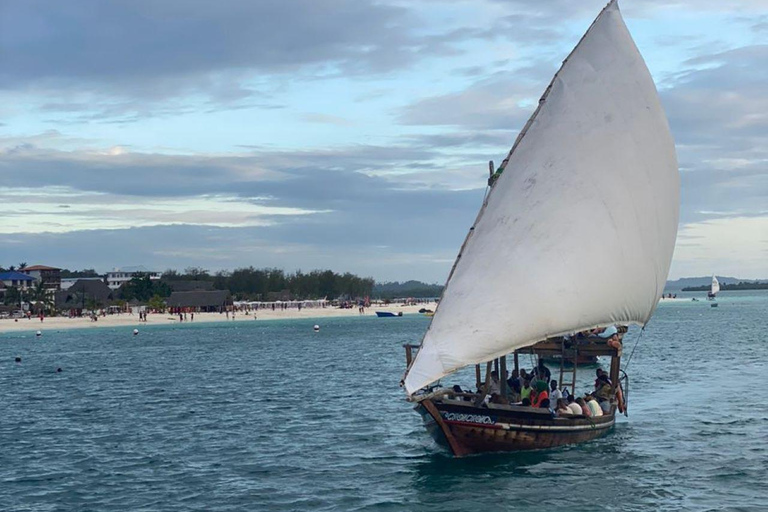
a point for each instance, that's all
(388, 313)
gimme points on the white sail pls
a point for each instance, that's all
(580, 228)
(715, 286)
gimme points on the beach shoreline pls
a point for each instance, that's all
(155, 319)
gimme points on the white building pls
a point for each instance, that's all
(118, 276)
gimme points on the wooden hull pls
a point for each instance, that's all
(465, 429)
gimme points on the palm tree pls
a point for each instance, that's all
(42, 297)
(22, 265)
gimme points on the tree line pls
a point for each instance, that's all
(742, 285)
(265, 284)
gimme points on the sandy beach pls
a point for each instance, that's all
(132, 321)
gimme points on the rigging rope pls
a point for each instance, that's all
(629, 359)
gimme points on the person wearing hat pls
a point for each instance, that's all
(604, 392)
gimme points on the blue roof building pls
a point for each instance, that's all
(16, 280)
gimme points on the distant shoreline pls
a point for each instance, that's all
(131, 322)
(728, 287)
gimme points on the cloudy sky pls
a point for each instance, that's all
(344, 134)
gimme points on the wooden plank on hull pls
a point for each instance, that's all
(457, 449)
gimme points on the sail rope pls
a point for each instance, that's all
(629, 359)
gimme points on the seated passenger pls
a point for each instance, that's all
(526, 402)
(539, 394)
(608, 332)
(585, 410)
(573, 406)
(594, 407)
(494, 385)
(562, 408)
(498, 399)
(614, 342)
(544, 404)
(513, 392)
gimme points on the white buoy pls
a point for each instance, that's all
(316, 327)
(135, 332)
(38, 333)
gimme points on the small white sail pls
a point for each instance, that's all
(580, 228)
(715, 286)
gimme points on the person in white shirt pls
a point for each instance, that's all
(573, 406)
(495, 385)
(554, 392)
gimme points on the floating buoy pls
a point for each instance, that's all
(316, 327)
(135, 332)
(18, 359)
(38, 334)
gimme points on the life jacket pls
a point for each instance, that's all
(537, 399)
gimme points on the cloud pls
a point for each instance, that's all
(738, 245)
(717, 110)
(503, 101)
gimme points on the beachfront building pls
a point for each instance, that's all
(118, 276)
(49, 276)
(17, 280)
(213, 301)
(84, 294)
(68, 282)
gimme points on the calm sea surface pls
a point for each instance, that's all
(272, 416)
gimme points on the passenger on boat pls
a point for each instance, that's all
(604, 393)
(544, 404)
(542, 372)
(494, 385)
(614, 342)
(598, 374)
(513, 391)
(573, 406)
(594, 407)
(585, 410)
(554, 392)
(514, 377)
(539, 394)
(525, 391)
(608, 332)
(526, 402)
(498, 399)
(562, 408)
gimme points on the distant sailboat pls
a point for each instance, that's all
(713, 289)
(576, 233)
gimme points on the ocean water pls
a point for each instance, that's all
(273, 416)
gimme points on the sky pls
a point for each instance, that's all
(350, 135)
